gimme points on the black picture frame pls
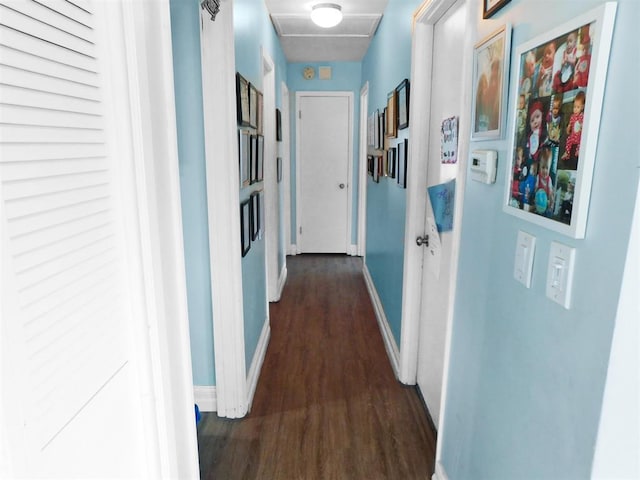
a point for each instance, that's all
(403, 104)
(403, 148)
(253, 106)
(370, 165)
(279, 169)
(244, 154)
(391, 114)
(376, 168)
(278, 125)
(490, 7)
(255, 215)
(260, 158)
(253, 165)
(391, 162)
(242, 101)
(259, 112)
(245, 227)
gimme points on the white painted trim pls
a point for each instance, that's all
(282, 281)
(293, 249)
(271, 194)
(205, 397)
(223, 193)
(352, 250)
(257, 362)
(385, 330)
(362, 173)
(349, 96)
(150, 70)
(422, 60)
(286, 166)
(440, 473)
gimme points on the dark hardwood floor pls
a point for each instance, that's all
(327, 405)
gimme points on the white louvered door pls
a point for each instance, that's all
(67, 397)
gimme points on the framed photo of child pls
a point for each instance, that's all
(555, 113)
(490, 75)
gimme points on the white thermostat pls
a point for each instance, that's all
(483, 165)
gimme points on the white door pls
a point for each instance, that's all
(437, 287)
(323, 165)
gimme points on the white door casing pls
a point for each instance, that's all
(289, 248)
(324, 164)
(362, 172)
(93, 376)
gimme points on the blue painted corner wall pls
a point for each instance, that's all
(386, 64)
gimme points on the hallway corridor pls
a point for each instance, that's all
(327, 405)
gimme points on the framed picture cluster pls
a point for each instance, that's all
(251, 157)
(557, 102)
(251, 220)
(250, 105)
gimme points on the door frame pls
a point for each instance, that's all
(424, 21)
(349, 96)
(285, 152)
(223, 193)
(361, 241)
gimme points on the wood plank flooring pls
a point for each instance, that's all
(327, 405)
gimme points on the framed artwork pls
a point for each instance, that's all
(556, 109)
(244, 152)
(391, 115)
(376, 129)
(260, 158)
(370, 165)
(253, 106)
(278, 125)
(490, 7)
(279, 169)
(253, 164)
(370, 130)
(254, 200)
(261, 213)
(245, 227)
(391, 162)
(403, 104)
(490, 84)
(376, 168)
(403, 148)
(242, 100)
(259, 123)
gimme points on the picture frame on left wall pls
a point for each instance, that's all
(244, 153)
(242, 100)
(245, 227)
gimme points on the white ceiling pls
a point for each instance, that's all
(303, 41)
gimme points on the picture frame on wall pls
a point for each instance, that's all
(242, 100)
(403, 104)
(376, 168)
(245, 227)
(370, 165)
(279, 169)
(255, 215)
(244, 154)
(260, 158)
(403, 148)
(376, 129)
(490, 7)
(391, 114)
(278, 125)
(490, 84)
(253, 166)
(253, 106)
(557, 105)
(391, 162)
(261, 225)
(259, 113)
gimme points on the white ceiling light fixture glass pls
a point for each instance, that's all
(326, 15)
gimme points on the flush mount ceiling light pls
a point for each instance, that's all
(326, 15)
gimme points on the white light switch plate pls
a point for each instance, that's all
(523, 265)
(560, 273)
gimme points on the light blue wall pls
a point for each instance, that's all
(253, 31)
(185, 36)
(526, 376)
(345, 78)
(386, 64)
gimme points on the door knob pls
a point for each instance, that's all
(423, 241)
(341, 186)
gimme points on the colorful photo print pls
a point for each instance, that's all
(552, 91)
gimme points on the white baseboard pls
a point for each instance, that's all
(256, 364)
(205, 397)
(281, 282)
(352, 250)
(387, 336)
(440, 473)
